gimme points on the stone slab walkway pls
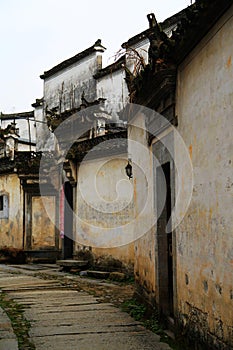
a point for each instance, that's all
(8, 339)
(64, 318)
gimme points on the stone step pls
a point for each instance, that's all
(42, 260)
(98, 274)
(72, 263)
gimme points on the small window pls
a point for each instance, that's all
(4, 206)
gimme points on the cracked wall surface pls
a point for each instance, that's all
(205, 236)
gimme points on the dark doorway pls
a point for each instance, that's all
(68, 222)
(164, 236)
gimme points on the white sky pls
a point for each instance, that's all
(38, 34)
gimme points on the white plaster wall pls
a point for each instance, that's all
(105, 207)
(113, 87)
(68, 84)
(205, 236)
(142, 159)
(44, 137)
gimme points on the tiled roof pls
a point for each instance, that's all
(22, 115)
(164, 25)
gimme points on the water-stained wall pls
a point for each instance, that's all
(113, 88)
(64, 88)
(11, 222)
(44, 138)
(144, 216)
(105, 208)
(43, 228)
(205, 236)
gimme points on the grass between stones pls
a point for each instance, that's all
(20, 325)
(139, 312)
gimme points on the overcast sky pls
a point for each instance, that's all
(38, 34)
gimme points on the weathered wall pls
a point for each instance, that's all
(113, 87)
(66, 87)
(164, 202)
(104, 205)
(44, 138)
(205, 237)
(43, 229)
(145, 268)
(124, 253)
(11, 228)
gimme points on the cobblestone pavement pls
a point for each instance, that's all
(64, 318)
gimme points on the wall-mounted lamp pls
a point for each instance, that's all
(128, 169)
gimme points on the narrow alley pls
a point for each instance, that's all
(63, 317)
(119, 172)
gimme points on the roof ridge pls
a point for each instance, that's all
(97, 46)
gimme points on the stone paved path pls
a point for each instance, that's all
(8, 339)
(63, 318)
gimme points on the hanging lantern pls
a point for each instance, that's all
(128, 170)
